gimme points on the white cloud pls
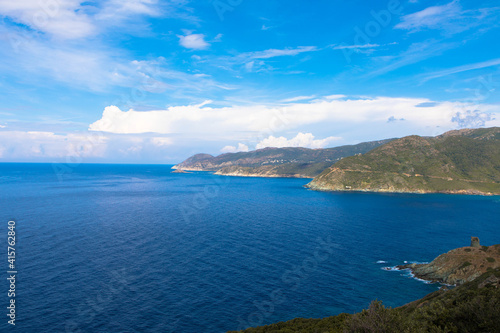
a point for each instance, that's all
(193, 41)
(2, 126)
(450, 17)
(161, 141)
(337, 96)
(271, 53)
(76, 19)
(39, 44)
(218, 38)
(415, 53)
(96, 68)
(250, 122)
(63, 18)
(256, 61)
(233, 149)
(431, 17)
(298, 98)
(305, 140)
(117, 9)
(460, 69)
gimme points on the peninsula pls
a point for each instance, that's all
(459, 265)
(461, 162)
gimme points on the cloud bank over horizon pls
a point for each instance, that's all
(255, 122)
(178, 131)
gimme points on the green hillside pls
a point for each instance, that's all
(464, 161)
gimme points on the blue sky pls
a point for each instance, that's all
(147, 81)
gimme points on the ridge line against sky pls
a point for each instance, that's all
(222, 76)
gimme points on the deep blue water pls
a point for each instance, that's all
(135, 248)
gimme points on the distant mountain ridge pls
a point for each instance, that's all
(461, 161)
(294, 162)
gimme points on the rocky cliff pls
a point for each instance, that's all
(459, 265)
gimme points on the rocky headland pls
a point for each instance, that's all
(179, 171)
(457, 162)
(459, 265)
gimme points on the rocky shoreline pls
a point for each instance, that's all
(458, 266)
(327, 188)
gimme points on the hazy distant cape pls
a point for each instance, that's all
(276, 162)
(462, 161)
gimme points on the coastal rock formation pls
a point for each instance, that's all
(179, 171)
(459, 162)
(459, 265)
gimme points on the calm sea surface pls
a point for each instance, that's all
(135, 248)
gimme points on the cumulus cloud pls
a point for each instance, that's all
(259, 121)
(193, 41)
(233, 149)
(305, 140)
(469, 118)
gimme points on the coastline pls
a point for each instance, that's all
(257, 175)
(457, 266)
(240, 174)
(330, 189)
(452, 192)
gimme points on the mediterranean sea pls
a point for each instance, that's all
(136, 248)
